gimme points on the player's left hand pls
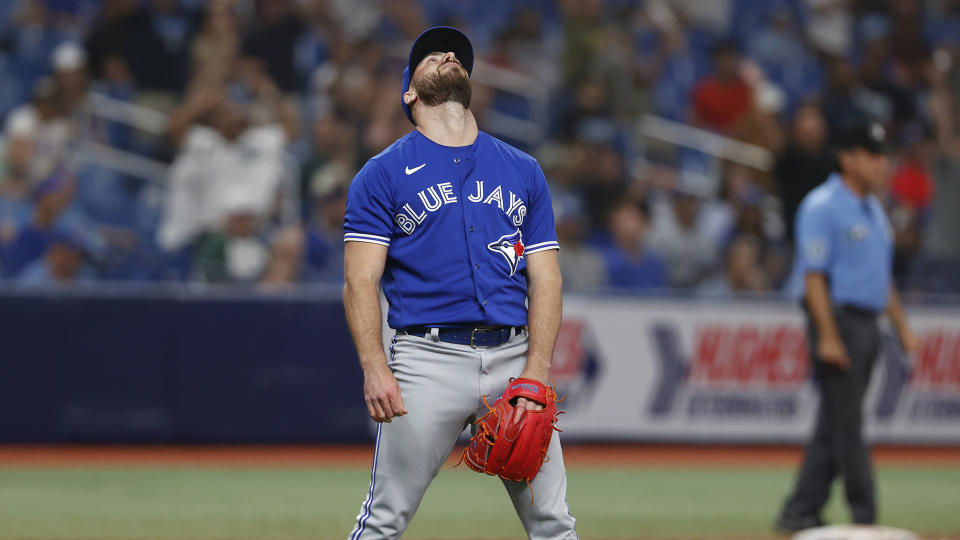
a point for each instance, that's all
(526, 403)
(514, 448)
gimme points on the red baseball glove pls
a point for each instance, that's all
(511, 448)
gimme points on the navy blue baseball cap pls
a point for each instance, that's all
(436, 39)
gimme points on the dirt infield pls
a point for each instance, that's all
(597, 455)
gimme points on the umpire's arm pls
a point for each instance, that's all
(899, 319)
(363, 267)
(544, 313)
(815, 232)
(829, 346)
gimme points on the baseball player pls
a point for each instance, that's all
(845, 256)
(457, 227)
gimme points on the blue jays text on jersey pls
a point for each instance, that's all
(458, 223)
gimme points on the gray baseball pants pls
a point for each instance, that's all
(442, 384)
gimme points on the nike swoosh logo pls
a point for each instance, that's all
(408, 170)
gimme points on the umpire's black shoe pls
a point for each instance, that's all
(790, 523)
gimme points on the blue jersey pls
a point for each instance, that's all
(849, 239)
(458, 223)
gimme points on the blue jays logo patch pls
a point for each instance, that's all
(511, 247)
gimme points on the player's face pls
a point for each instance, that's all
(440, 61)
(441, 78)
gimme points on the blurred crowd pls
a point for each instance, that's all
(158, 140)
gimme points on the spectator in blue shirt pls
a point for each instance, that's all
(630, 264)
(65, 261)
(50, 197)
(54, 211)
(323, 249)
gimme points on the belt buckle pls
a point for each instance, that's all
(473, 332)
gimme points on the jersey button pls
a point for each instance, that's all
(456, 160)
(471, 228)
(477, 266)
(484, 302)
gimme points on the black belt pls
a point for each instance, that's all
(473, 336)
(857, 310)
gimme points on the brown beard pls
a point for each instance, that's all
(436, 88)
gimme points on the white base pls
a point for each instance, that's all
(855, 532)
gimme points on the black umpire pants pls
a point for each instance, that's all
(837, 446)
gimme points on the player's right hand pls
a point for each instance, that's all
(831, 351)
(382, 394)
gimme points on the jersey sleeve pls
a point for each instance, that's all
(368, 214)
(814, 238)
(539, 232)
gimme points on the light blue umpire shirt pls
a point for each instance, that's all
(849, 239)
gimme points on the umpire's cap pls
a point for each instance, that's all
(438, 38)
(871, 136)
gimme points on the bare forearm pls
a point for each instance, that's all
(543, 323)
(184, 117)
(179, 123)
(361, 300)
(895, 311)
(818, 302)
(363, 265)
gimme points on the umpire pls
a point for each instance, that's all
(844, 257)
